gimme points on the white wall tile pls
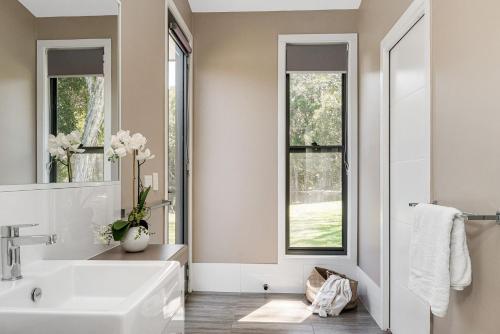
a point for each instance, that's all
(71, 213)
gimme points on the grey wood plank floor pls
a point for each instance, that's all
(208, 313)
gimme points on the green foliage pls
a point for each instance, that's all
(119, 229)
(142, 198)
(315, 108)
(73, 97)
(135, 218)
(315, 117)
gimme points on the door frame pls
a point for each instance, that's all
(419, 9)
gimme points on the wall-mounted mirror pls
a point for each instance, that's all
(59, 90)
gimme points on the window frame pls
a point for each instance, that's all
(350, 256)
(182, 153)
(44, 99)
(342, 148)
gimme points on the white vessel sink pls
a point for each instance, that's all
(84, 297)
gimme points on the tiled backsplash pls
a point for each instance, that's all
(71, 212)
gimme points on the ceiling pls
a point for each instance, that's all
(270, 5)
(52, 8)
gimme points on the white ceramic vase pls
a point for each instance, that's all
(133, 241)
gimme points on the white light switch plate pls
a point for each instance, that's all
(148, 180)
(155, 182)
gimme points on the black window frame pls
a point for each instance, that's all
(53, 131)
(317, 149)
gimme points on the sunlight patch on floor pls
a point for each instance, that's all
(279, 311)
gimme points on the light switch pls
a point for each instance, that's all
(155, 182)
(148, 181)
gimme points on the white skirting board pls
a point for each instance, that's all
(289, 277)
(371, 296)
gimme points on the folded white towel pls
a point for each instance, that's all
(332, 297)
(439, 258)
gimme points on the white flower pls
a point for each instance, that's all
(137, 142)
(61, 145)
(62, 140)
(74, 138)
(144, 155)
(121, 152)
(123, 143)
(115, 142)
(123, 137)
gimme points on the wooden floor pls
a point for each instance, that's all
(268, 313)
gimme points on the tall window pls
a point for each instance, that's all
(316, 219)
(179, 51)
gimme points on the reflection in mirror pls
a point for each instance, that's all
(59, 98)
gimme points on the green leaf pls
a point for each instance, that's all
(119, 229)
(142, 198)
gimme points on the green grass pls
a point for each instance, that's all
(171, 227)
(316, 224)
(311, 225)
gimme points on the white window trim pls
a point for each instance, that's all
(352, 142)
(43, 100)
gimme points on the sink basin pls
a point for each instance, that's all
(82, 297)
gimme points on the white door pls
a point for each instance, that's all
(409, 173)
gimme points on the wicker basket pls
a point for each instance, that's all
(319, 276)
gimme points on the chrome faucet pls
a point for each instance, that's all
(10, 247)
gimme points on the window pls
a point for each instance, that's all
(179, 51)
(74, 90)
(316, 149)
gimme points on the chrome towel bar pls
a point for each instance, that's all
(473, 216)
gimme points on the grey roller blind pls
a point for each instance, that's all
(322, 57)
(62, 62)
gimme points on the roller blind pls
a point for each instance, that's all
(322, 57)
(178, 34)
(64, 62)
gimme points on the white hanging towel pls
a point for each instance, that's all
(332, 297)
(439, 258)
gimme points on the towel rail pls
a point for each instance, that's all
(473, 216)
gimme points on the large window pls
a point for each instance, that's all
(316, 164)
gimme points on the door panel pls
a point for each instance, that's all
(409, 176)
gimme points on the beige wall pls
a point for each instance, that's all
(376, 18)
(235, 129)
(143, 91)
(143, 94)
(466, 155)
(185, 11)
(17, 94)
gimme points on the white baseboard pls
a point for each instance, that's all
(371, 296)
(288, 277)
